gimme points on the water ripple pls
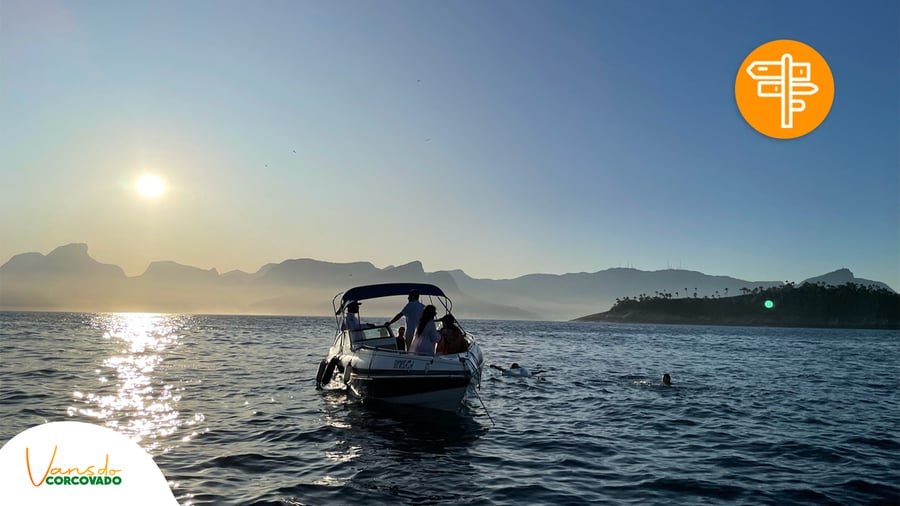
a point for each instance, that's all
(226, 406)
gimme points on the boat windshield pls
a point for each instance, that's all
(373, 337)
(366, 334)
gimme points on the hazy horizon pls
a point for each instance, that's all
(427, 270)
(69, 279)
(502, 138)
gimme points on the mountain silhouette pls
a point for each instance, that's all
(69, 279)
(169, 272)
(53, 281)
(842, 277)
(71, 260)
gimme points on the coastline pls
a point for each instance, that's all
(847, 306)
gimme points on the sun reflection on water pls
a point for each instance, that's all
(344, 452)
(132, 396)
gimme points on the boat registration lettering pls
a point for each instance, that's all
(403, 364)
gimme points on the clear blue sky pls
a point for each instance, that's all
(501, 138)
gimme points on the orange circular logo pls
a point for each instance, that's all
(784, 89)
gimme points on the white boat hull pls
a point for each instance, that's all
(435, 382)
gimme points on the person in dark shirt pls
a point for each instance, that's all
(453, 339)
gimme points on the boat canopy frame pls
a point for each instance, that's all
(365, 292)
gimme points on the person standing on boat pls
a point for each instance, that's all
(351, 321)
(412, 311)
(426, 336)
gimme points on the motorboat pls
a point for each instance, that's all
(376, 367)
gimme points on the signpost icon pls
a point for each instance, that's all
(785, 80)
(794, 73)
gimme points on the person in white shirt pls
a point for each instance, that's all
(412, 311)
(427, 336)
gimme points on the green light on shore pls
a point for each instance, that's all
(769, 304)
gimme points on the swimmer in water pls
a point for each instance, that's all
(666, 380)
(516, 370)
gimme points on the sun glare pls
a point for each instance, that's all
(149, 186)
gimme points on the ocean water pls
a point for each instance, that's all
(227, 407)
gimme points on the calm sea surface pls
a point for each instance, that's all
(227, 407)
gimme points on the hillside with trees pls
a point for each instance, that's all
(849, 305)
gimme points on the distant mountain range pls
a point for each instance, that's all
(68, 279)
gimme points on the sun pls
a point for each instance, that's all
(149, 186)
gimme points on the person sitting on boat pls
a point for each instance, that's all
(401, 339)
(516, 370)
(426, 336)
(351, 321)
(412, 311)
(452, 337)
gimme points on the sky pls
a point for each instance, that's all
(499, 137)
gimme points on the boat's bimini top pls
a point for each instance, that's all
(386, 290)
